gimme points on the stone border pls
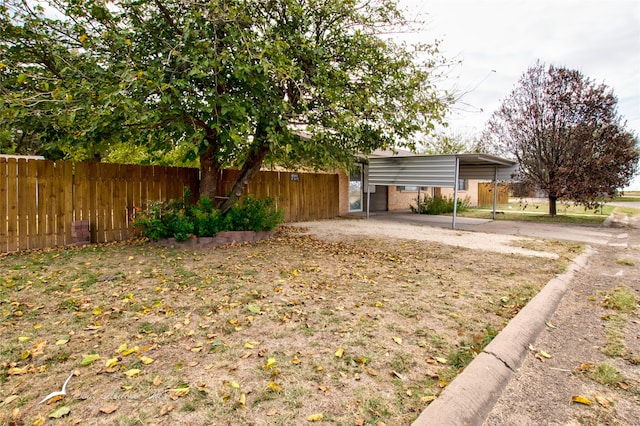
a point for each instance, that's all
(221, 239)
(468, 400)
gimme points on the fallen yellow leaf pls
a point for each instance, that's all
(315, 417)
(61, 342)
(603, 401)
(8, 400)
(441, 360)
(23, 339)
(544, 354)
(178, 392)
(39, 422)
(111, 362)
(130, 351)
(371, 371)
(580, 399)
(271, 362)
(398, 340)
(275, 387)
(146, 360)
(134, 372)
(339, 353)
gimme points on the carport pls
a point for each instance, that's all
(438, 171)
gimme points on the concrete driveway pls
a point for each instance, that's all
(602, 234)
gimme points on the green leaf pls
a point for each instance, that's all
(89, 359)
(254, 309)
(60, 412)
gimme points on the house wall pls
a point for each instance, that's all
(471, 192)
(400, 200)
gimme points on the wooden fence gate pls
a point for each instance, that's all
(485, 194)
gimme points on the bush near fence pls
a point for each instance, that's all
(42, 200)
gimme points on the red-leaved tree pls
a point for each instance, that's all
(566, 134)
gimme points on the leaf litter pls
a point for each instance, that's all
(286, 330)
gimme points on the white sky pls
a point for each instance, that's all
(497, 40)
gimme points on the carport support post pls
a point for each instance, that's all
(368, 199)
(495, 190)
(455, 193)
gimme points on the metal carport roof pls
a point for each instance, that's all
(441, 171)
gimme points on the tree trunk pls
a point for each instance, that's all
(209, 173)
(249, 169)
(552, 205)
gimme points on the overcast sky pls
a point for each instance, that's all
(497, 40)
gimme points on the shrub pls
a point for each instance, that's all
(150, 221)
(181, 219)
(207, 220)
(439, 205)
(254, 214)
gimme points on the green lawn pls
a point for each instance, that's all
(629, 196)
(538, 212)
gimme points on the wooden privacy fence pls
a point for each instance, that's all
(41, 200)
(303, 196)
(485, 194)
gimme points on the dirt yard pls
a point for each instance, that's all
(317, 324)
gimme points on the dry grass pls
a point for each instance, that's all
(265, 333)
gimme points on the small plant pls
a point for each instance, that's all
(207, 220)
(468, 350)
(181, 219)
(625, 262)
(439, 205)
(621, 299)
(254, 214)
(606, 374)
(614, 344)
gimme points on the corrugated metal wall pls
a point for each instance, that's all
(437, 171)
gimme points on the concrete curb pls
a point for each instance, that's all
(468, 400)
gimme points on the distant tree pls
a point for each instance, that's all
(566, 134)
(450, 143)
(298, 82)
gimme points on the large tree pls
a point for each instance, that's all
(298, 82)
(566, 134)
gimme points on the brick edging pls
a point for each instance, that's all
(221, 238)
